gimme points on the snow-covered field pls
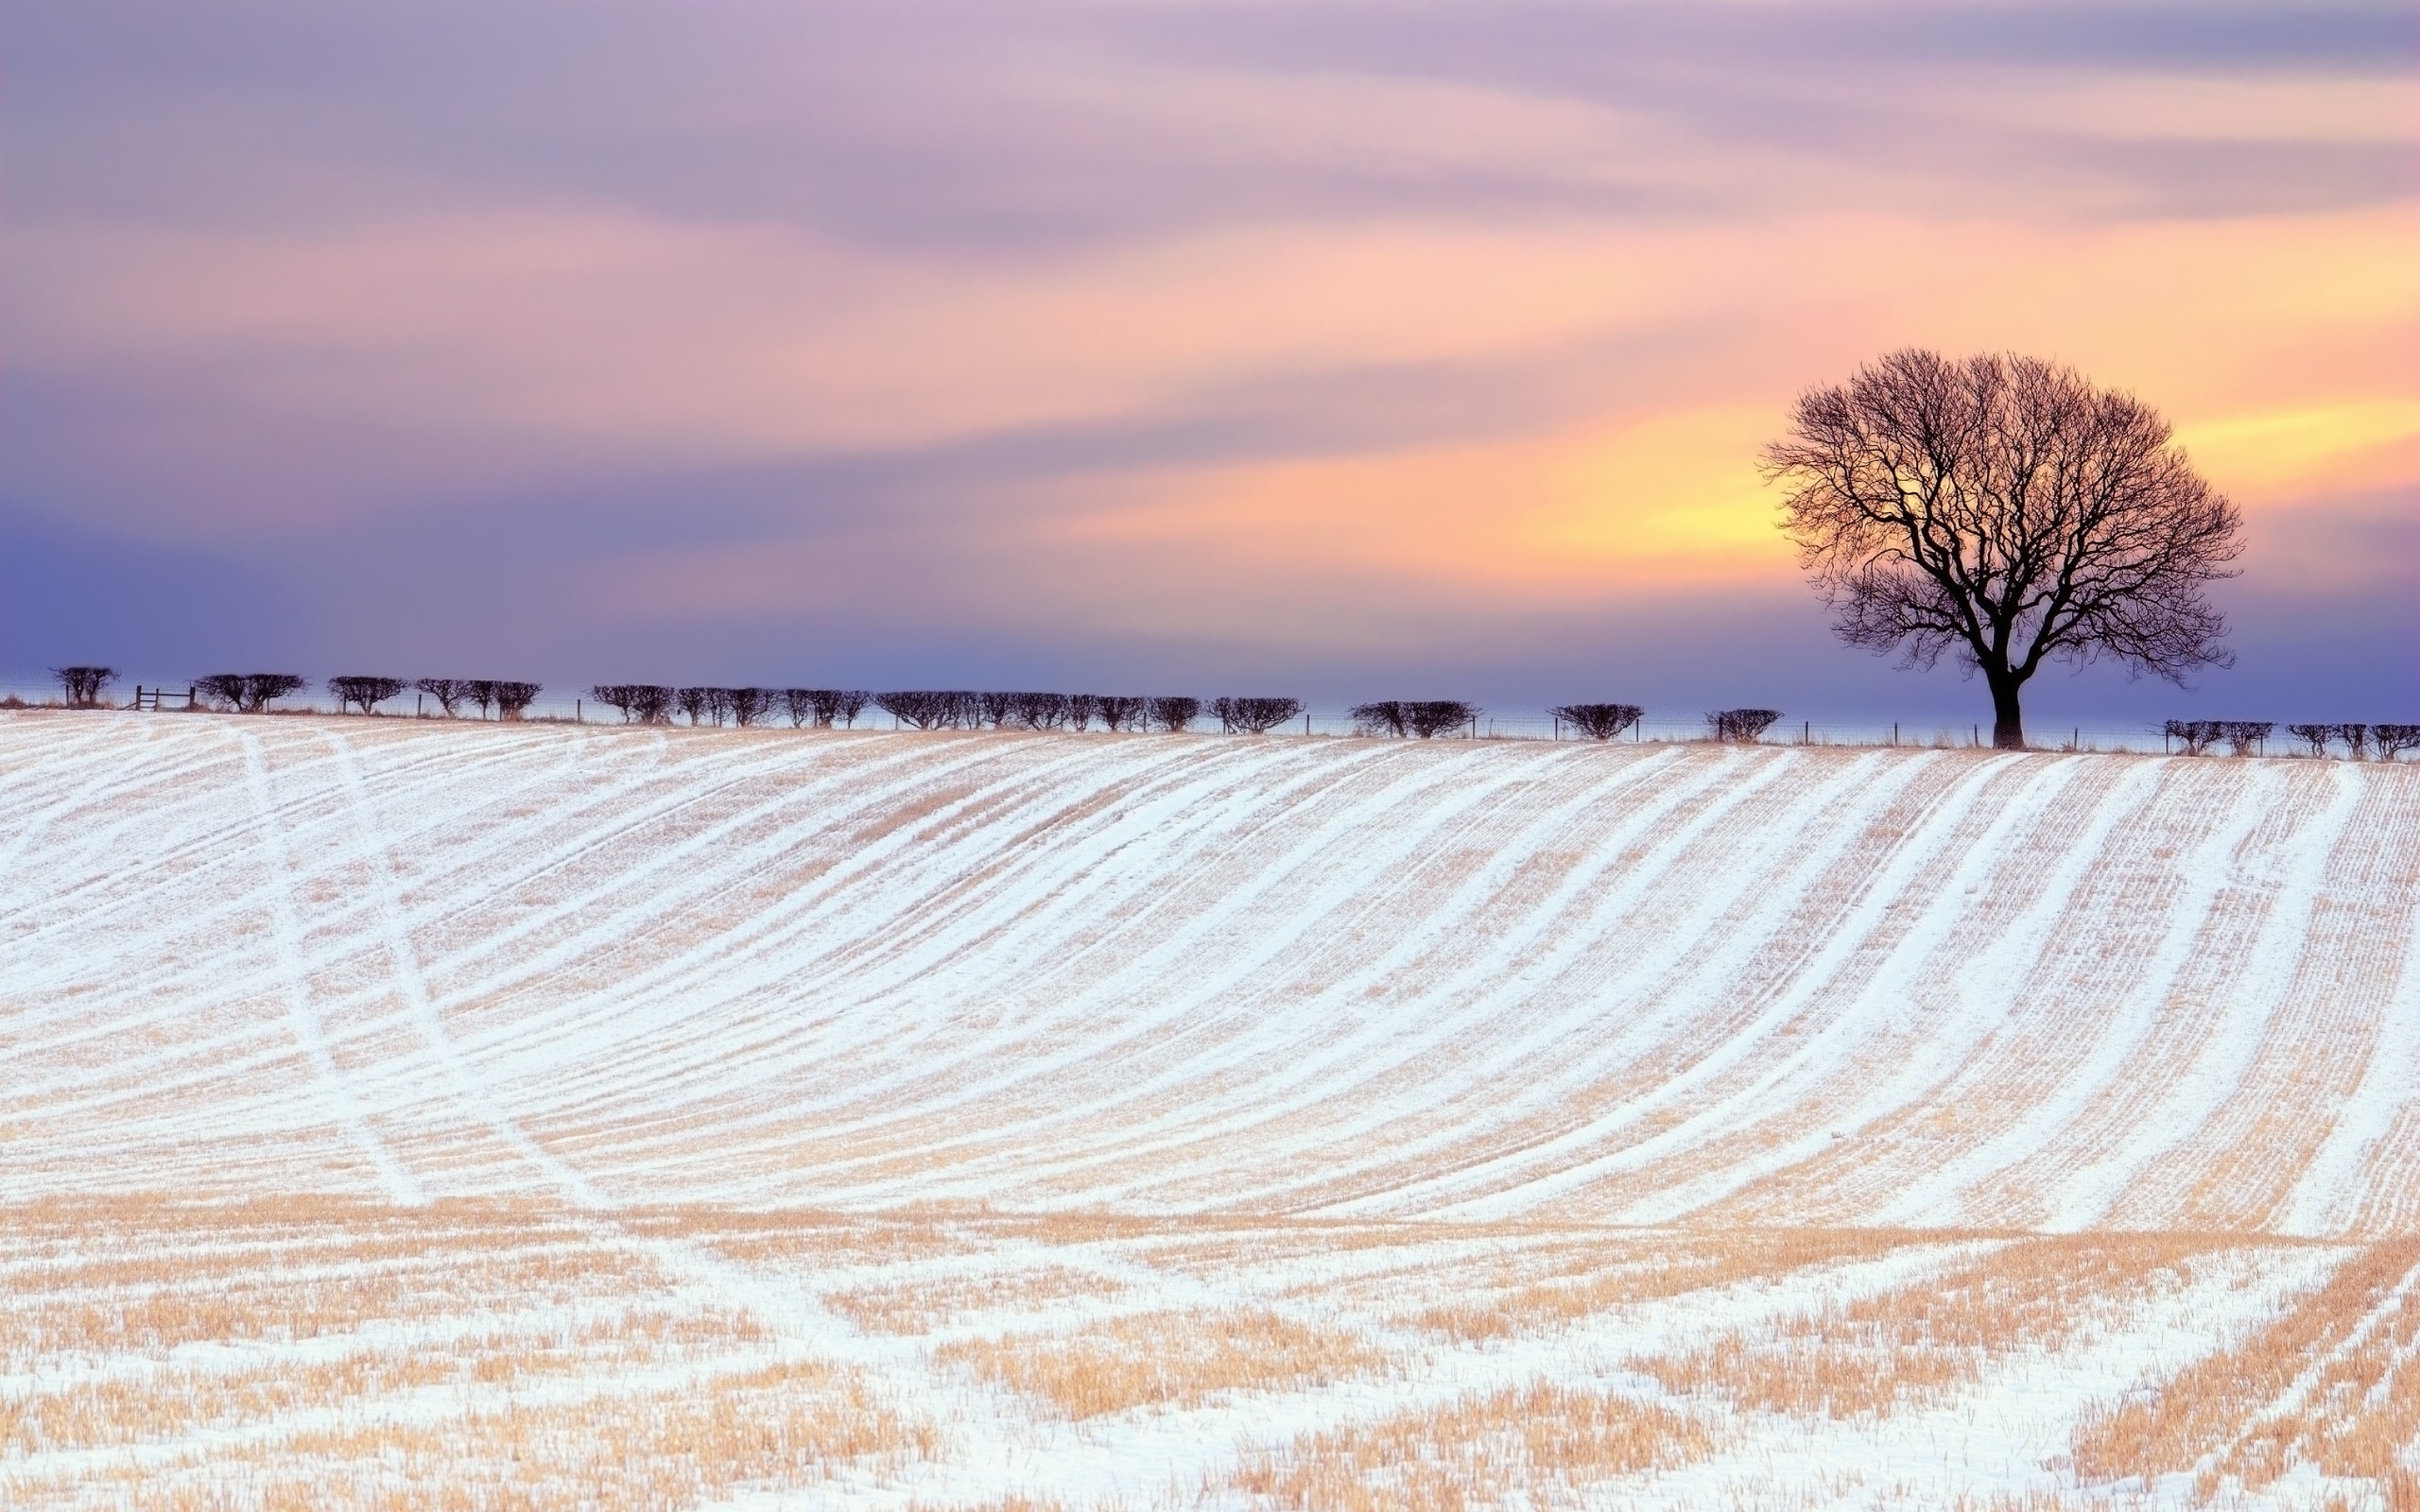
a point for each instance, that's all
(402, 1113)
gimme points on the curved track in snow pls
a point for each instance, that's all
(1492, 980)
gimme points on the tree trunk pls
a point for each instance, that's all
(2008, 725)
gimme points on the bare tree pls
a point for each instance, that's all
(694, 703)
(449, 692)
(1119, 712)
(748, 705)
(1741, 725)
(2005, 511)
(1175, 713)
(1255, 717)
(513, 700)
(2355, 739)
(1432, 718)
(261, 689)
(1598, 721)
(225, 689)
(800, 704)
(2243, 735)
(621, 696)
(364, 694)
(1083, 708)
(2316, 736)
(1038, 711)
(2394, 740)
(847, 703)
(1388, 717)
(919, 710)
(2195, 735)
(83, 685)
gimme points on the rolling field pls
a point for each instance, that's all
(404, 1114)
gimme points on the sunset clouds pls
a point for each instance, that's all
(1158, 340)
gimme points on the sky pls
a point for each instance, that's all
(1345, 350)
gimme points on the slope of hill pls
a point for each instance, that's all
(1162, 974)
(401, 1114)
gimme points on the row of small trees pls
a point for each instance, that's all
(1424, 719)
(2244, 735)
(940, 708)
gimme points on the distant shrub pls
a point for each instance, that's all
(82, 685)
(1432, 718)
(2394, 740)
(247, 693)
(1385, 717)
(1598, 721)
(748, 705)
(824, 706)
(449, 692)
(363, 693)
(2195, 735)
(1255, 717)
(2315, 736)
(920, 709)
(1039, 710)
(2355, 739)
(1118, 712)
(1083, 709)
(1741, 725)
(1175, 712)
(2243, 735)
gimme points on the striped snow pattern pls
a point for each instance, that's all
(1482, 980)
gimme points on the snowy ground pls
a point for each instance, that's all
(402, 1113)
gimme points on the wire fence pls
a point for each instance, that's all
(1317, 722)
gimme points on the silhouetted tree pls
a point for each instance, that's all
(2355, 739)
(748, 705)
(1741, 725)
(1119, 712)
(1387, 717)
(847, 703)
(2243, 735)
(1175, 712)
(2316, 736)
(82, 685)
(450, 691)
(223, 688)
(1042, 711)
(694, 703)
(1598, 721)
(919, 710)
(1255, 717)
(2006, 511)
(621, 696)
(1082, 709)
(800, 704)
(361, 692)
(513, 700)
(1432, 718)
(261, 689)
(2394, 740)
(2195, 735)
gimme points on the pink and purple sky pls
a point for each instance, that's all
(1342, 350)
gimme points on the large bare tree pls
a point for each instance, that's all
(2006, 511)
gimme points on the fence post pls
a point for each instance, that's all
(579, 715)
(1806, 733)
